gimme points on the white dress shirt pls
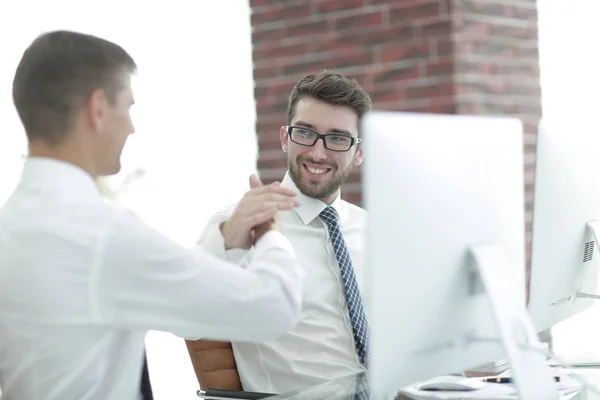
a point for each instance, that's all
(82, 281)
(321, 346)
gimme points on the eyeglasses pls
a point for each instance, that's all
(334, 141)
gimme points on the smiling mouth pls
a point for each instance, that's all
(314, 171)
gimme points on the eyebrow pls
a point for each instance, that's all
(311, 126)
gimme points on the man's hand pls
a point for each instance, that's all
(258, 206)
(265, 227)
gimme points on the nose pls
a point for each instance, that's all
(318, 152)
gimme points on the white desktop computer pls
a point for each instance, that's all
(446, 250)
(566, 215)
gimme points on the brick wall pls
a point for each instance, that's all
(440, 56)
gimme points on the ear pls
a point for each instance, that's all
(283, 136)
(95, 109)
(358, 157)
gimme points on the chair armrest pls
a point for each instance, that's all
(216, 394)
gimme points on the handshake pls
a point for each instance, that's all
(257, 213)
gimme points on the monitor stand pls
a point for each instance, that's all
(531, 374)
(594, 227)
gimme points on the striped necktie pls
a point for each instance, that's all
(356, 311)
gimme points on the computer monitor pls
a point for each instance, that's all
(445, 287)
(564, 249)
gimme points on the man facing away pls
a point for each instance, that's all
(81, 281)
(321, 140)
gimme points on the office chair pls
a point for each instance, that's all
(216, 371)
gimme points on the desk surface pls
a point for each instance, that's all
(355, 387)
(349, 387)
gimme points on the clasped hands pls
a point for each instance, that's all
(257, 213)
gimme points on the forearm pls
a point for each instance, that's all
(149, 282)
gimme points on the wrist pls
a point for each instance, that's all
(223, 229)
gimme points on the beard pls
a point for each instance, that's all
(317, 188)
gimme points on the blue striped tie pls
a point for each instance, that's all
(360, 328)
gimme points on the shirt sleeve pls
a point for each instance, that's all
(147, 281)
(212, 240)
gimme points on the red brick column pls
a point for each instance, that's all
(440, 56)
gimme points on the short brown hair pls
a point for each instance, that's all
(57, 74)
(333, 88)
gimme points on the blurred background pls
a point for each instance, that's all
(214, 78)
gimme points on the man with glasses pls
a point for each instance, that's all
(321, 140)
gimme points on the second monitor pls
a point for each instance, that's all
(564, 251)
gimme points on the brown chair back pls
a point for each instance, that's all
(214, 364)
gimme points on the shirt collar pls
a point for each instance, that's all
(310, 208)
(58, 175)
